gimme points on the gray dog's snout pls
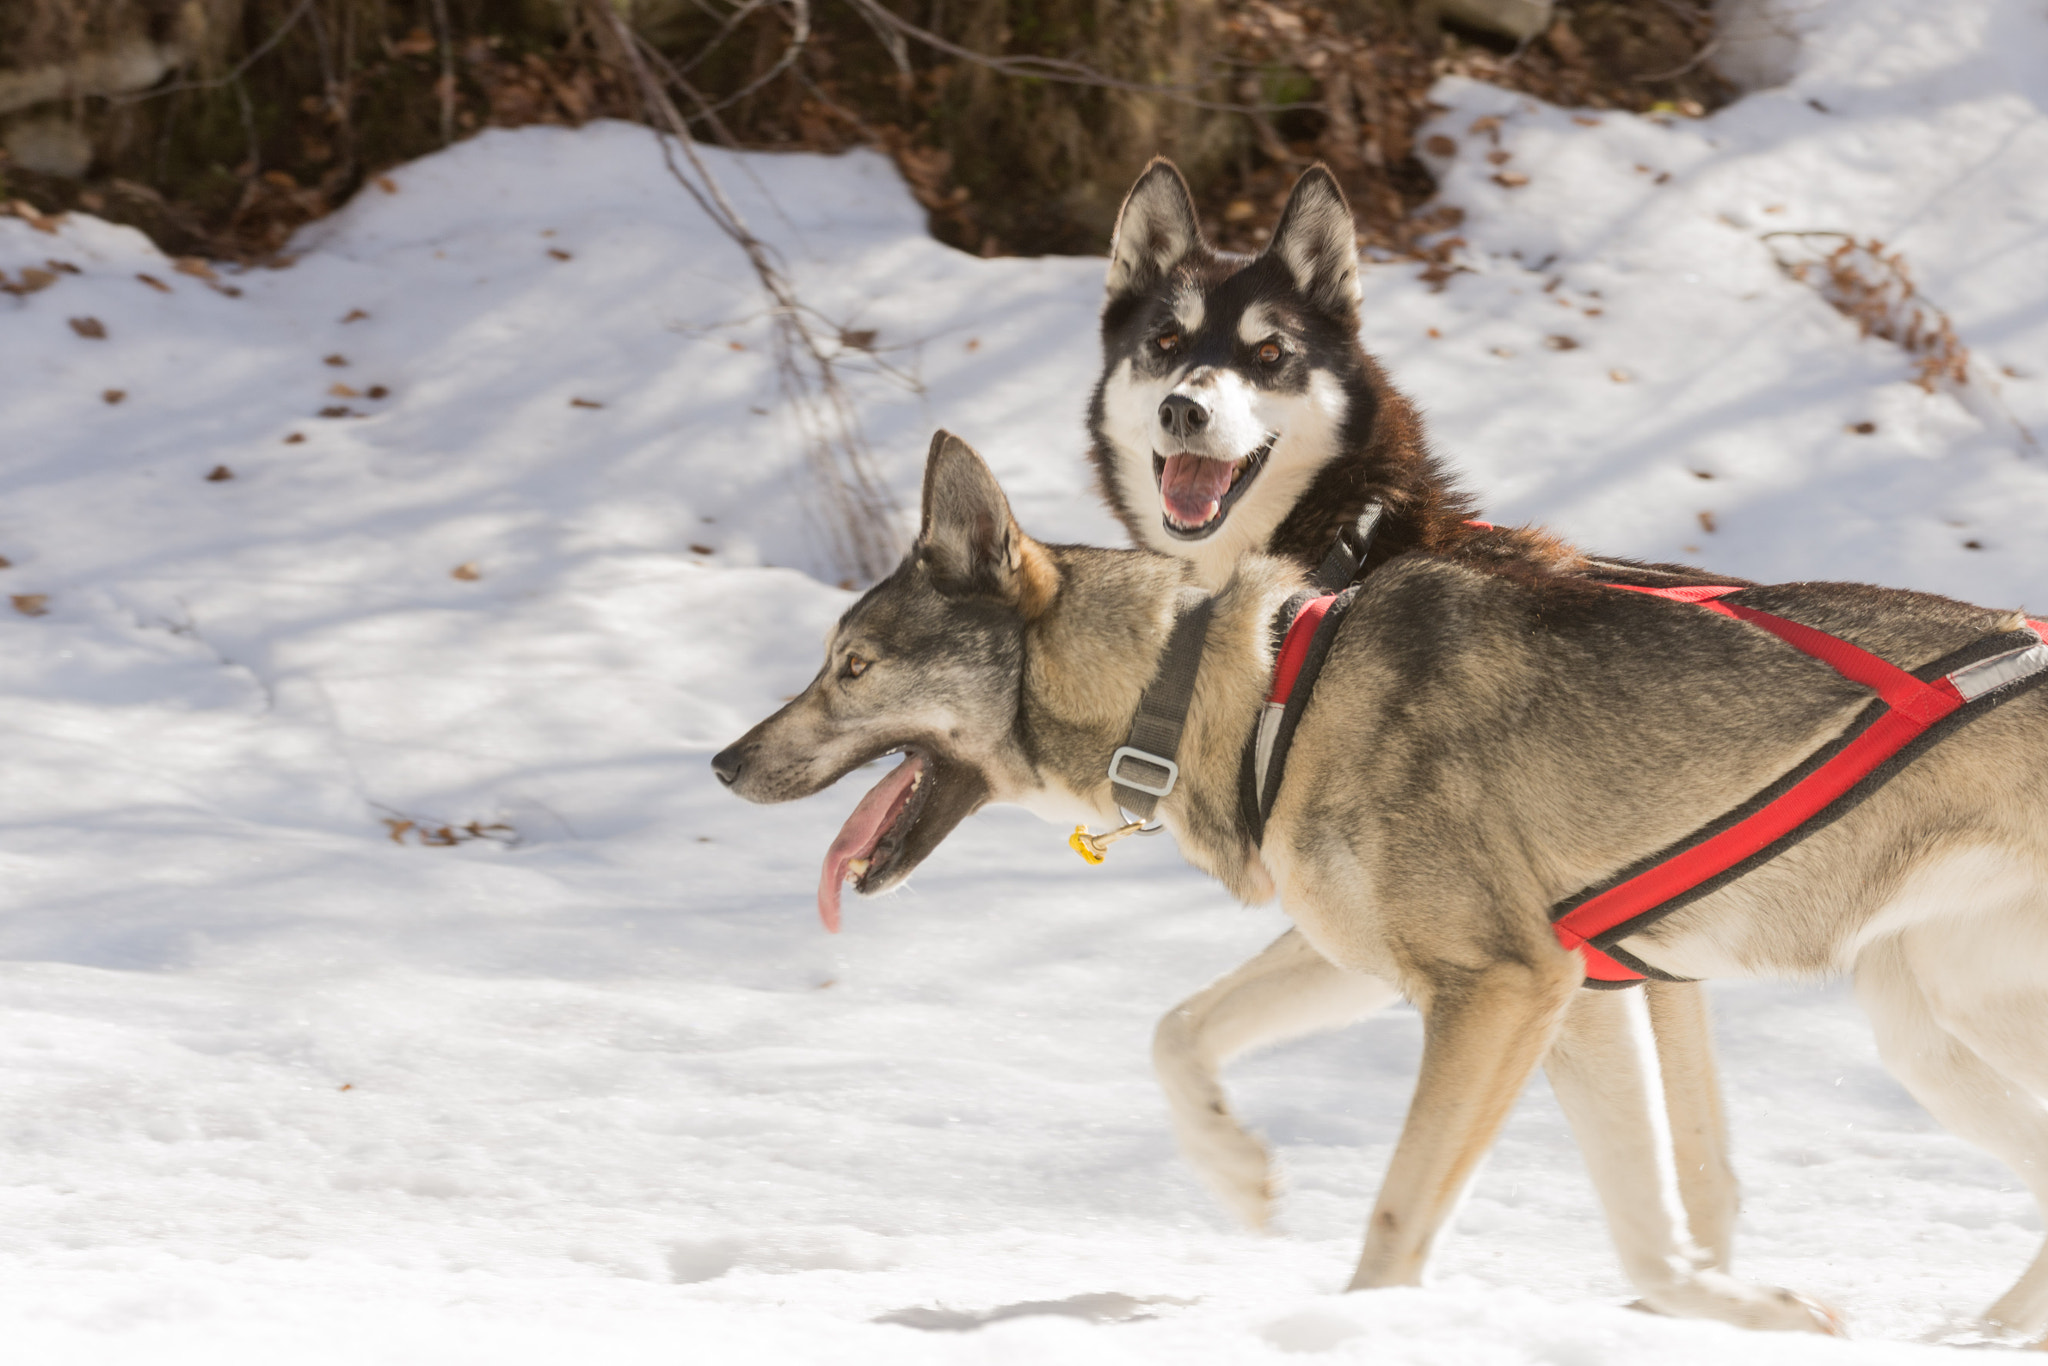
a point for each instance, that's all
(1182, 416)
(727, 764)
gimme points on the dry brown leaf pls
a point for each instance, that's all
(1558, 341)
(1619, 375)
(736, 346)
(696, 549)
(219, 474)
(397, 827)
(1973, 545)
(466, 571)
(337, 359)
(858, 339)
(584, 403)
(194, 266)
(1861, 428)
(1707, 522)
(294, 439)
(1511, 180)
(1489, 123)
(973, 344)
(376, 391)
(1435, 335)
(158, 285)
(33, 280)
(1499, 156)
(32, 604)
(113, 395)
(1504, 352)
(91, 328)
(1585, 121)
(36, 218)
(6, 563)
(62, 267)
(340, 390)
(354, 315)
(1437, 145)
(559, 254)
(387, 184)
(334, 410)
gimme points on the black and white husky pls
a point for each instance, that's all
(1238, 412)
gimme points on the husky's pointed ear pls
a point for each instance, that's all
(1317, 241)
(969, 543)
(1155, 229)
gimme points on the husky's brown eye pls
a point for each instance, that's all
(1269, 353)
(855, 667)
(1169, 341)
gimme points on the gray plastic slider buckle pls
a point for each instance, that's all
(1144, 757)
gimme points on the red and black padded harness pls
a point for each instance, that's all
(1911, 712)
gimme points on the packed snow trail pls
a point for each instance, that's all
(280, 1082)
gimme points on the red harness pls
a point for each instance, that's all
(1911, 711)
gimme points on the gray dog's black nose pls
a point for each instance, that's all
(1182, 416)
(727, 764)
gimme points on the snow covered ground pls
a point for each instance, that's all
(275, 1087)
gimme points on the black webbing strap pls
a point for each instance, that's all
(1347, 555)
(1143, 769)
(1340, 570)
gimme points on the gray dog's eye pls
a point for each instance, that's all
(855, 667)
(1269, 353)
(1169, 341)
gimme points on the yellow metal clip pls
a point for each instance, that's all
(1095, 848)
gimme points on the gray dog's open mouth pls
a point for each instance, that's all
(1197, 492)
(873, 837)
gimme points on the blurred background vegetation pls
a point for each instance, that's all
(219, 126)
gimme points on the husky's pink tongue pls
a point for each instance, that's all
(862, 832)
(1192, 487)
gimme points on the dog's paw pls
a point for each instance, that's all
(1234, 1165)
(1766, 1308)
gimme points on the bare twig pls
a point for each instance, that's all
(1056, 69)
(290, 22)
(799, 34)
(445, 87)
(859, 506)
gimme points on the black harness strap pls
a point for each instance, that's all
(1258, 785)
(1143, 769)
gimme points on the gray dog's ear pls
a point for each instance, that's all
(969, 543)
(968, 540)
(1317, 241)
(1155, 230)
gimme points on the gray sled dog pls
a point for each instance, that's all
(1482, 743)
(1237, 412)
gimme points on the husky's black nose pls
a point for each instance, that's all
(727, 764)
(1182, 416)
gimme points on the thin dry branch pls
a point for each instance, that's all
(1056, 69)
(859, 510)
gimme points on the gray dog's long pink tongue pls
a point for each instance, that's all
(861, 833)
(1192, 487)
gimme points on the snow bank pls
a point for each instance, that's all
(279, 1087)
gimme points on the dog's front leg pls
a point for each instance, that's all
(1600, 1069)
(1484, 1030)
(1287, 990)
(1699, 1126)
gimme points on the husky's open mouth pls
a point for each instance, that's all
(1197, 493)
(872, 840)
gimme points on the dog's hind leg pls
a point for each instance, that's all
(1600, 1070)
(1484, 1031)
(1699, 1126)
(1287, 990)
(1975, 1056)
